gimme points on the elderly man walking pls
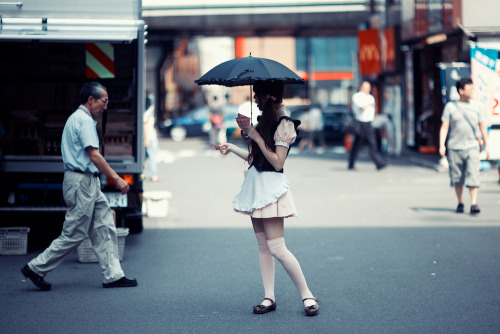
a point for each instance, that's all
(460, 120)
(88, 209)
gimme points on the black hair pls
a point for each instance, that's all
(93, 89)
(362, 82)
(462, 82)
(267, 122)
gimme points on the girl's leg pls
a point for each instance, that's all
(274, 230)
(266, 261)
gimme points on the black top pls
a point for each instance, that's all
(259, 160)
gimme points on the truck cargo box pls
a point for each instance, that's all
(48, 50)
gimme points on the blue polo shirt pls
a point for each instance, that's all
(79, 133)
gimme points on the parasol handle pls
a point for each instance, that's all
(251, 116)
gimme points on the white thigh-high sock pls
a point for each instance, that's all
(266, 261)
(278, 249)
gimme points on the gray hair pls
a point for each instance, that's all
(91, 89)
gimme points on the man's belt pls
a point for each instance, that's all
(82, 172)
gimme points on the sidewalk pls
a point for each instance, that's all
(408, 156)
(424, 160)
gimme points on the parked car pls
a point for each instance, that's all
(196, 123)
(334, 117)
(230, 113)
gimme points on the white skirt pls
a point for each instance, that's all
(265, 195)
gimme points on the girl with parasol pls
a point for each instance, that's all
(265, 194)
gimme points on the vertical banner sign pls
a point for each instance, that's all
(100, 60)
(410, 101)
(483, 63)
(388, 47)
(450, 73)
(495, 119)
(239, 45)
(494, 133)
(369, 52)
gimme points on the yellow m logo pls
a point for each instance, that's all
(369, 52)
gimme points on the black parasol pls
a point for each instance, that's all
(247, 71)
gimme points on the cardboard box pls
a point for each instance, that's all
(116, 150)
(119, 128)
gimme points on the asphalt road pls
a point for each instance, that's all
(383, 251)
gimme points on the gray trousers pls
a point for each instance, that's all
(88, 214)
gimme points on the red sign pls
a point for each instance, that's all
(422, 17)
(369, 52)
(388, 47)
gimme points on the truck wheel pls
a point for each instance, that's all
(134, 223)
(178, 133)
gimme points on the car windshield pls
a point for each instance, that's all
(336, 116)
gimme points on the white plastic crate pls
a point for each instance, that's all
(155, 203)
(14, 240)
(86, 251)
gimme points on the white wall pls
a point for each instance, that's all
(480, 13)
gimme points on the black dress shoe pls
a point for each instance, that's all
(313, 309)
(35, 278)
(121, 283)
(380, 167)
(460, 208)
(261, 309)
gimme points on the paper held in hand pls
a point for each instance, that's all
(243, 121)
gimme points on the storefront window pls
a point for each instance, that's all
(301, 54)
(435, 15)
(329, 54)
(344, 60)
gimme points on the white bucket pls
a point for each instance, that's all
(155, 203)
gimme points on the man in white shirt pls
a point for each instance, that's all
(363, 107)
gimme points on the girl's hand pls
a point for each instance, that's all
(224, 149)
(252, 133)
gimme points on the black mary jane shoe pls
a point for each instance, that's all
(312, 310)
(261, 309)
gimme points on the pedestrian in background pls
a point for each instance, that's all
(245, 108)
(363, 107)
(382, 123)
(460, 120)
(307, 132)
(216, 117)
(319, 134)
(265, 193)
(88, 209)
(151, 139)
(313, 118)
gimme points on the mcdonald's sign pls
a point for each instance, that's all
(369, 52)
